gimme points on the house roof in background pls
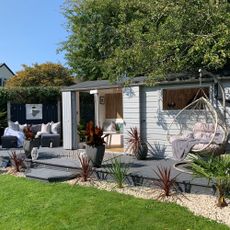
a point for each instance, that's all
(4, 64)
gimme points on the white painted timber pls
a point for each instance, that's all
(155, 121)
(69, 118)
(131, 109)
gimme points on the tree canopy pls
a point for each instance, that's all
(47, 74)
(111, 39)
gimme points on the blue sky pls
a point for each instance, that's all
(31, 31)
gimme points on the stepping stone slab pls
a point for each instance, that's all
(62, 162)
(50, 175)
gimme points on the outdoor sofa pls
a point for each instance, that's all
(49, 134)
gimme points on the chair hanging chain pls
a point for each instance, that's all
(200, 78)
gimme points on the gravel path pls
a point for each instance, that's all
(201, 205)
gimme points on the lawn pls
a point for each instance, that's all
(26, 204)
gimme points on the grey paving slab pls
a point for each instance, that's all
(47, 174)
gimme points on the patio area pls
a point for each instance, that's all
(56, 164)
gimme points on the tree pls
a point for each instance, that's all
(47, 74)
(112, 39)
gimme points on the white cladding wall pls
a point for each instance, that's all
(156, 121)
(131, 109)
(227, 95)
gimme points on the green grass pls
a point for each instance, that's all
(26, 204)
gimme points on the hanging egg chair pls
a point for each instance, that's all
(199, 128)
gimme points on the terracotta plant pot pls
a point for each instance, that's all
(95, 154)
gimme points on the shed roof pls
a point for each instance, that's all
(102, 84)
(179, 78)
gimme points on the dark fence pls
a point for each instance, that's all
(49, 113)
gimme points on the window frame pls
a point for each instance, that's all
(205, 87)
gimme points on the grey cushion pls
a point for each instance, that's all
(48, 138)
(9, 141)
(36, 128)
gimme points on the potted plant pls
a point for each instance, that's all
(30, 141)
(95, 144)
(136, 145)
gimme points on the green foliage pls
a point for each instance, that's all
(29, 94)
(3, 119)
(110, 39)
(3, 108)
(119, 171)
(47, 74)
(60, 206)
(216, 169)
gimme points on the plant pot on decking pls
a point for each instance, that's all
(29, 144)
(95, 154)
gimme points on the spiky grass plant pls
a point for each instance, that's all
(86, 169)
(16, 161)
(136, 145)
(165, 182)
(217, 169)
(118, 171)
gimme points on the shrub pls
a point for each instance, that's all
(94, 135)
(86, 169)
(136, 145)
(217, 169)
(17, 162)
(164, 181)
(118, 171)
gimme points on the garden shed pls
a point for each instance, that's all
(149, 108)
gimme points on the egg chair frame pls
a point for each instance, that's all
(203, 105)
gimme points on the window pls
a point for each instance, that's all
(4, 81)
(0, 82)
(176, 99)
(113, 106)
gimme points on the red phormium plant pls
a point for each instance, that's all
(164, 181)
(85, 166)
(16, 161)
(134, 140)
(94, 135)
(28, 133)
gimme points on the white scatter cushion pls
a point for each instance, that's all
(21, 127)
(203, 127)
(56, 127)
(46, 128)
(13, 125)
(109, 126)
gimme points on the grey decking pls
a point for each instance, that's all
(55, 164)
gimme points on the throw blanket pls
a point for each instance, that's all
(20, 135)
(182, 146)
